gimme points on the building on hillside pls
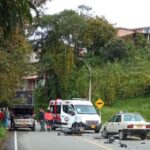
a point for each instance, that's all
(29, 83)
(123, 32)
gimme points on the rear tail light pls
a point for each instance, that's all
(148, 126)
(130, 126)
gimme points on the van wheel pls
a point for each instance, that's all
(97, 130)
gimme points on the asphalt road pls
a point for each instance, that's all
(29, 140)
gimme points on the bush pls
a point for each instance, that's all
(2, 132)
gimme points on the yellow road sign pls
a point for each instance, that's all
(99, 103)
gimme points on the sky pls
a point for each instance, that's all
(120, 13)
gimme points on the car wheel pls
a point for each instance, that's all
(125, 135)
(105, 133)
(143, 136)
(121, 135)
(33, 128)
(15, 129)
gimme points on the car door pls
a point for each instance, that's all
(110, 125)
(117, 124)
(67, 116)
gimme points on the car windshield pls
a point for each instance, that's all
(133, 117)
(85, 109)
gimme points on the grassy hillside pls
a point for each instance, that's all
(141, 105)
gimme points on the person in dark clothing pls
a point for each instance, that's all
(11, 119)
(42, 119)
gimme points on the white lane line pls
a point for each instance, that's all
(15, 141)
(94, 143)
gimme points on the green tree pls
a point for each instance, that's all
(114, 50)
(14, 13)
(61, 37)
(13, 64)
(99, 32)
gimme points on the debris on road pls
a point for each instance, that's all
(72, 131)
(123, 145)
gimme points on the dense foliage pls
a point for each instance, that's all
(14, 64)
(138, 104)
(119, 66)
(16, 12)
(61, 38)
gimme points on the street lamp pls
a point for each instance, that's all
(89, 69)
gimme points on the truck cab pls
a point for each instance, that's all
(68, 113)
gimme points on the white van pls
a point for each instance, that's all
(67, 113)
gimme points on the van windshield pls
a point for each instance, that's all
(85, 109)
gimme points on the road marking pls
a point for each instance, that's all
(15, 141)
(94, 143)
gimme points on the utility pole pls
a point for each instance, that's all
(90, 82)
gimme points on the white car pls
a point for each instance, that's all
(125, 124)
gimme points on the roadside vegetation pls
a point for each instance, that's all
(140, 105)
(120, 71)
(119, 66)
(2, 133)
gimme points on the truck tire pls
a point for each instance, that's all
(33, 128)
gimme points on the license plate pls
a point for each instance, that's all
(139, 126)
(23, 125)
(93, 126)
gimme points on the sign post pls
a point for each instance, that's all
(99, 104)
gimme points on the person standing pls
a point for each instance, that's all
(1, 116)
(48, 119)
(11, 119)
(42, 119)
(6, 118)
